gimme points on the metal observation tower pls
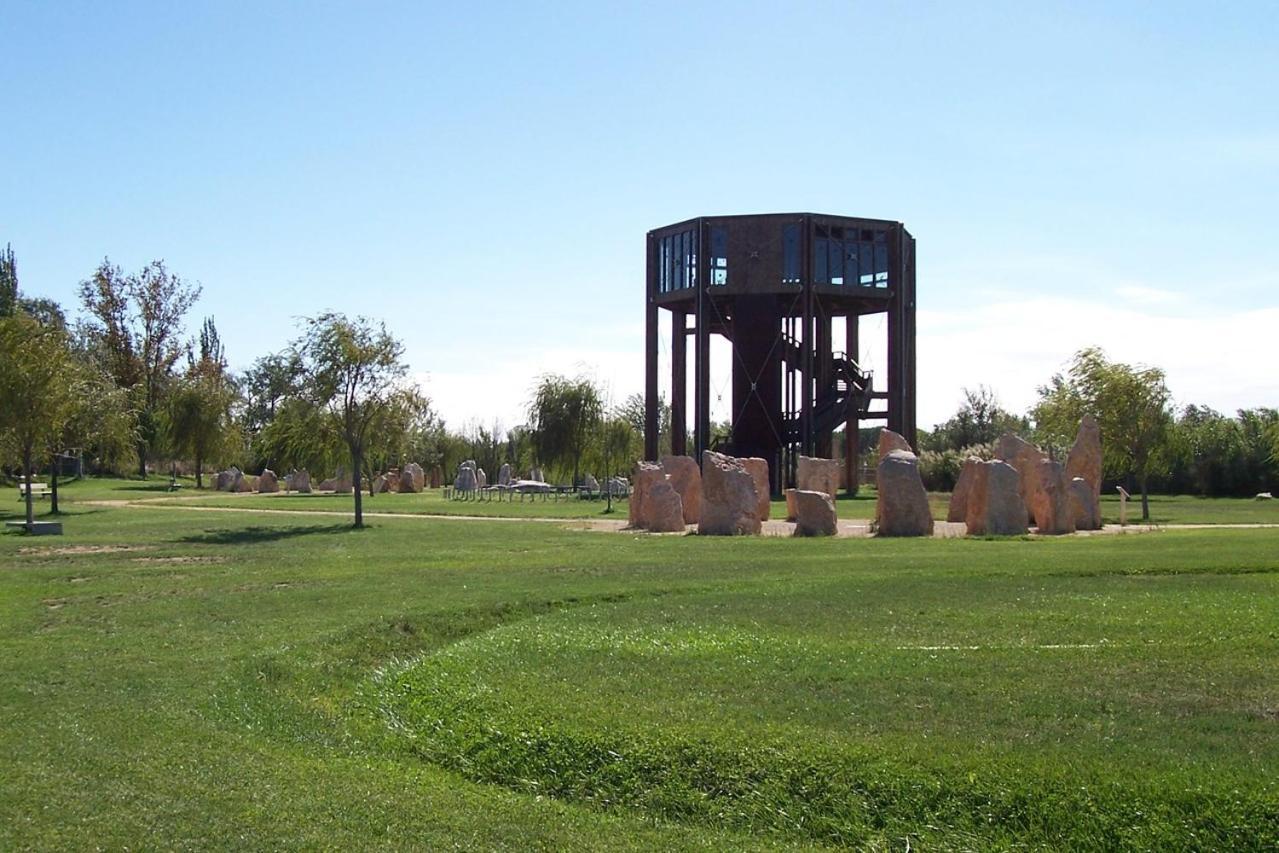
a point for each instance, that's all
(773, 285)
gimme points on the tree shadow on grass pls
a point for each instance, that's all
(253, 535)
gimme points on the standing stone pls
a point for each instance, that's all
(268, 483)
(418, 475)
(686, 478)
(814, 474)
(590, 483)
(465, 480)
(1051, 507)
(380, 485)
(504, 474)
(226, 479)
(758, 469)
(792, 511)
(481, 479)
(664, 508)
(1084, 459)
(437, 477)
(1025, 457)
(618, 487)
(342, 483)
(901, 506)
(994, 505)
(536, 475)
(647, 475)
(958, 509)
(245, 484)
(890, 441)
(814, 513)
(1083, 506)
(730, 498)
(298, 481)
(408, 483)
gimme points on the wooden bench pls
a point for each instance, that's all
(38, 490)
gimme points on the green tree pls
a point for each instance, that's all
(135, 327)
(563, 414)
(199, 422)
(37, 393)
(979, 420)
(352, 369)
(1132, 406)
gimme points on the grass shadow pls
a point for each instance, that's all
(253, 535)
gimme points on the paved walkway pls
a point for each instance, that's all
(848, 528)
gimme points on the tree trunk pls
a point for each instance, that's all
(358, 468)
(26, 474)
(1145, 500)
(199, 468)
(142, 459)
(53, 484)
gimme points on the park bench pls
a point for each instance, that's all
(38, 490)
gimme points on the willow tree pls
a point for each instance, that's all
(352, 370)
(37, 391)
(563, 415)
(1133, 408)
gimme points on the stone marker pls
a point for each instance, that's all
(1084, 459)
(901, 507)
(686, 478)
(465, 480)
(1051, 506)
(890, 441)
(792, 512)
(664, 508)
(730, 499)
(994, 504)
(1084, 507)
(298, 481)
(268, 483)
(647, 475)
(758, 469)
(958, 509)
(814, 513)
(504, 474)
(815, 474)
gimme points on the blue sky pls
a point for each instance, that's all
(482, 178)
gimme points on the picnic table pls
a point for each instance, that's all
(38, 490)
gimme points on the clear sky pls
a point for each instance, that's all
(481, 176)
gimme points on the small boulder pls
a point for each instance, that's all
(1051, 506)
(994, 505)
(268, 483)
(730, 498)
(814, 513)
(686, 478)
(1084, 507)
(245, 483)
(814, 474)
(901, 507)
(890, 441)
(758, 469)
(958, 509)
(226, 479)
(664, 508)
(408, 483)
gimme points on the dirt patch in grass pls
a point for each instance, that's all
(78, 550)
(180, 560)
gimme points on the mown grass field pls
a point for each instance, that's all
(176, 679)
(1164, 509)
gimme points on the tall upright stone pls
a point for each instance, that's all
(758, 469)
(504, 474)
(1025, 457)
(1084, 459)
(1084, 506)
(647, 475)
(901, 506)
(686, 478)
(1051, 507)
(814, 474)
(890, 441)
(994, 506)
(663, 508)
(958, 509)
(298, 481)
(730, 498)
(268, 483)
(814, 513)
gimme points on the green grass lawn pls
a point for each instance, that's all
(177, 680)
(1164, 509)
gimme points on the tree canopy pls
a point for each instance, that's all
(562, 415)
